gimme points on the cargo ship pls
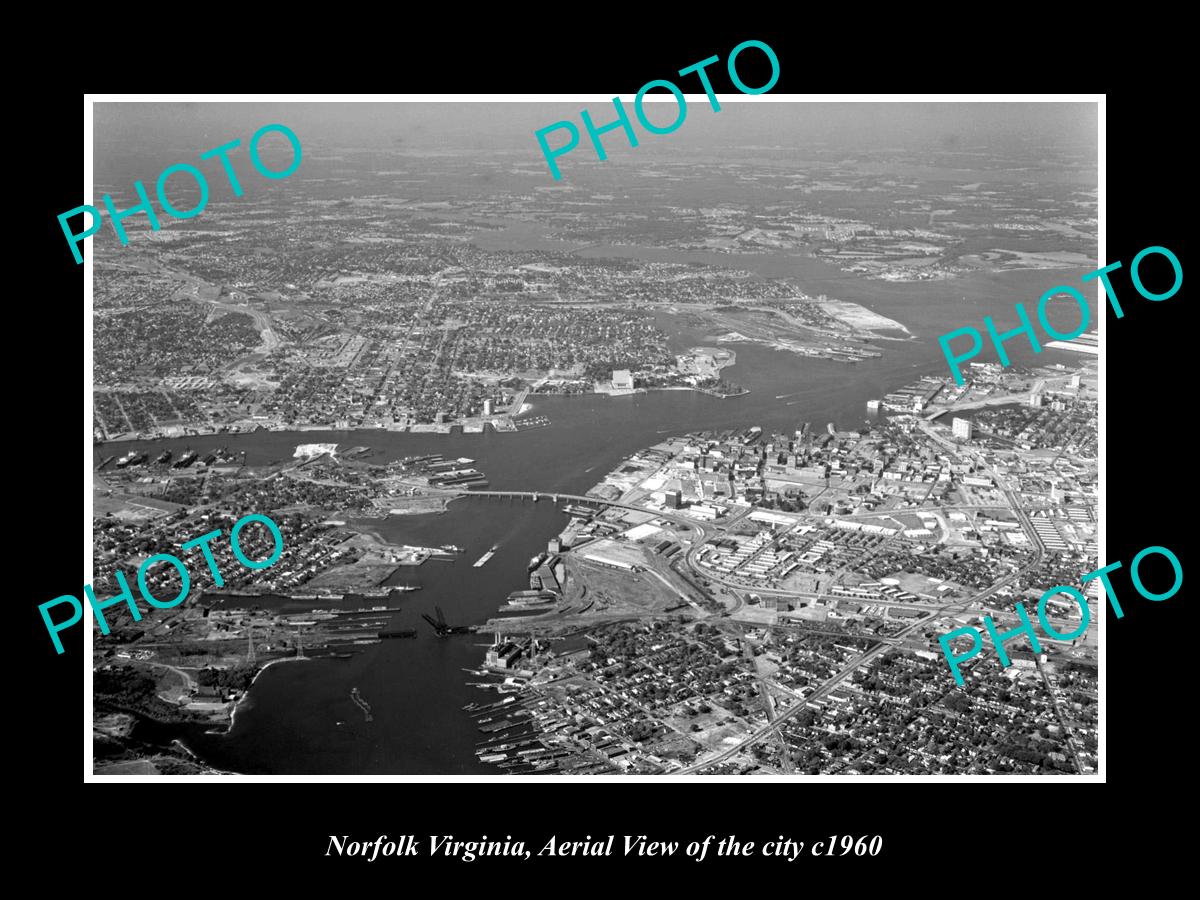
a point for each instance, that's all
(458, 476)
(399, 633)
(185, 459)
(132, 458)
(163, 458)
(418, 460)
(483, 559)
(449, 464)
(379, 593)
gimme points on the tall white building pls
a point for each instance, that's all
(962, 429)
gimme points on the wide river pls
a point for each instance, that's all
(300, 717)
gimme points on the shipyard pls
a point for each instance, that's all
(673, 457)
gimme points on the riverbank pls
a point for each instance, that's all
(467, 426)
(246, 695)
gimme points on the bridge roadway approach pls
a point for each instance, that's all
(537, 495)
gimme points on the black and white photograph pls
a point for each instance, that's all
(741, 435)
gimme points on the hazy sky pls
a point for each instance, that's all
(188, 128)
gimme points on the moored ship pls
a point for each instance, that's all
(185, 460)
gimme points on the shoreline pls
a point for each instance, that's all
(525, 407)
(439, 428)
(246, 695)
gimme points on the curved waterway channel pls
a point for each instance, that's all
(302, 718)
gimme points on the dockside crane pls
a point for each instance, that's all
(439, 625)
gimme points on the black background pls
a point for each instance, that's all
(271, 837)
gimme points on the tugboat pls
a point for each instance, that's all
(126, 459)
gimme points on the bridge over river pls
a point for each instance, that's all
(535, 496)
